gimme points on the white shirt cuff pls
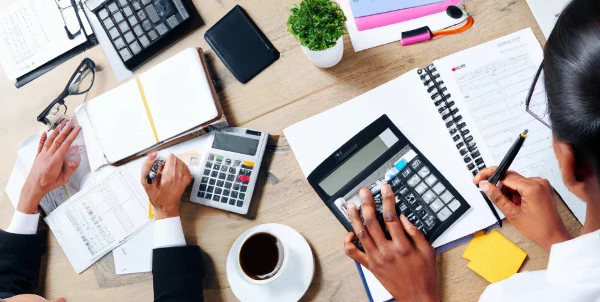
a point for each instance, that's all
(24, 224)
(168, 233)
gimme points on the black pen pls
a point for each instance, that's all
(508, 159)
(153, 171)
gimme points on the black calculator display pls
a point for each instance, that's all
(381, 154)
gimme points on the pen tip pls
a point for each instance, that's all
(524, 134)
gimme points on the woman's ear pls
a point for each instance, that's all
(576, 170)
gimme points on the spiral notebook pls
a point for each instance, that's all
(463, 112)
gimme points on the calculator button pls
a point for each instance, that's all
(236, 186)
(402, 207)
(113, 7)
(133, 21)
(219, 157)
(125, 54)
(412, 218)
(234, 194)
(231, 177)
(239, 203)
(145, 42)
(200, 194)
(244, 178)
(244, 188)
(103, 13)
(212, 181)
(214, 173)
(232, 170)
(207, 172)
(138, 30)
(414, 181)
(232, 201)
(211, 156)
(119, 43)
(118, 17)
(403, 191)
(202, 188)
(210, 189)
(226, 192)
(215, 198)
(129, 37)
(416, 164)
(224, 199)
(216, 167)
(447, 197)
(218, 191)
(454, 205)
(429, 222)
(242, 196)
(152, 13)
(162, 28)
(228, 185)
(220, 183)
(444, 214)
(424, 172)
(135, 47)
(228, 161)
(411, 199)
(108, 23)
(222, 175)
(422, 187)
(406, 173)
(208, 165)
(439, 188)
(429, 196)
(204, 180)
(173, 21)
(436, 205)
(224, 168)
(431, 180)
(127, 10)
(146, 2)
(421, 213)
(113, 32)
(208, 196)
(123, 3)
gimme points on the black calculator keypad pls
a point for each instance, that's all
(225, 180)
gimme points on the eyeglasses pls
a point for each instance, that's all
(536, 102)
(81, 81)
(70, 18)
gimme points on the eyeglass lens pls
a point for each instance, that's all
(82, 81)
(538, 103)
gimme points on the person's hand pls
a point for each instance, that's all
(528, 204)
(54, 163)
(406, 268)
(166, 190)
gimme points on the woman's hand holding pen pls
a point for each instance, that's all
(528, 204)
(165, 192)
(52, 167)
(405, 265)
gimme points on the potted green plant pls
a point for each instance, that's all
(319, 26)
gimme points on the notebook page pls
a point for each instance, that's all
(178, 94)
(120, 122)
(489, 83)
(32, 33)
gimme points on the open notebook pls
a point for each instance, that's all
(174, 99)
(463, 112)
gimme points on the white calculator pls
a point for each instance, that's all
(229, 169)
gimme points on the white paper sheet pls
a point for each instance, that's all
(135, 255)
(546, 13)
(32, 33)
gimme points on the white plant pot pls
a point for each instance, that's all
(328, 57)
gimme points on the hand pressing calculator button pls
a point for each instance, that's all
(230, 169)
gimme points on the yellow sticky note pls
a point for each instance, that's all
(150, 211)
(493, 256)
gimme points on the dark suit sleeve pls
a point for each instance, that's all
(178, 274)
(20, 260)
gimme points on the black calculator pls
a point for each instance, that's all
(381, 154)
(138, 29)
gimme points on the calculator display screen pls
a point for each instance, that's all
(234, 143)
(358, 162)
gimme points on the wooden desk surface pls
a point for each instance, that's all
(290, 90)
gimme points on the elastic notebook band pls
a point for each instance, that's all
(139, 83)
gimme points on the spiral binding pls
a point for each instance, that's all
(457, 127)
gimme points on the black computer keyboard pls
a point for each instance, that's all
(138, 29)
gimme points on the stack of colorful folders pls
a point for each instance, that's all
(370, 14)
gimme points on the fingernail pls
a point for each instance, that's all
(386, 190)
(72, 164)
(484, 185)
(404, 219)
(389, 217)
(153, 155)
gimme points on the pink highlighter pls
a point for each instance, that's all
(425, 33)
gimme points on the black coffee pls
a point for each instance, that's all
(259, 256)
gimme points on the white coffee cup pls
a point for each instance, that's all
(262, 256)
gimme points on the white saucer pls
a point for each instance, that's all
(294, 278)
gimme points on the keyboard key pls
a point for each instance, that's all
(108, 23)
(421, 187)
(119, 43)
(123, 26)
(118, 17)
(162, 29)
(436, 205)
(113, 7)
(429, 196)
(239, 203)
(129, 37)
(103, 14)
(431, 180)
(125, 54)
(447, 197)
(138, 30)
(444, 214)
(439, 188)
(414, 181)
(113, 33)
(424, 172)
(145, 42)
(224, 199)
(454, 205)
(152, 14)
(127, 11)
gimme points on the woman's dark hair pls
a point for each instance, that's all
(572, 79)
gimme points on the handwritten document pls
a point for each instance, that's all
(99, 218)
(32, 32)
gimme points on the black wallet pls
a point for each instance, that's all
(240, 44)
